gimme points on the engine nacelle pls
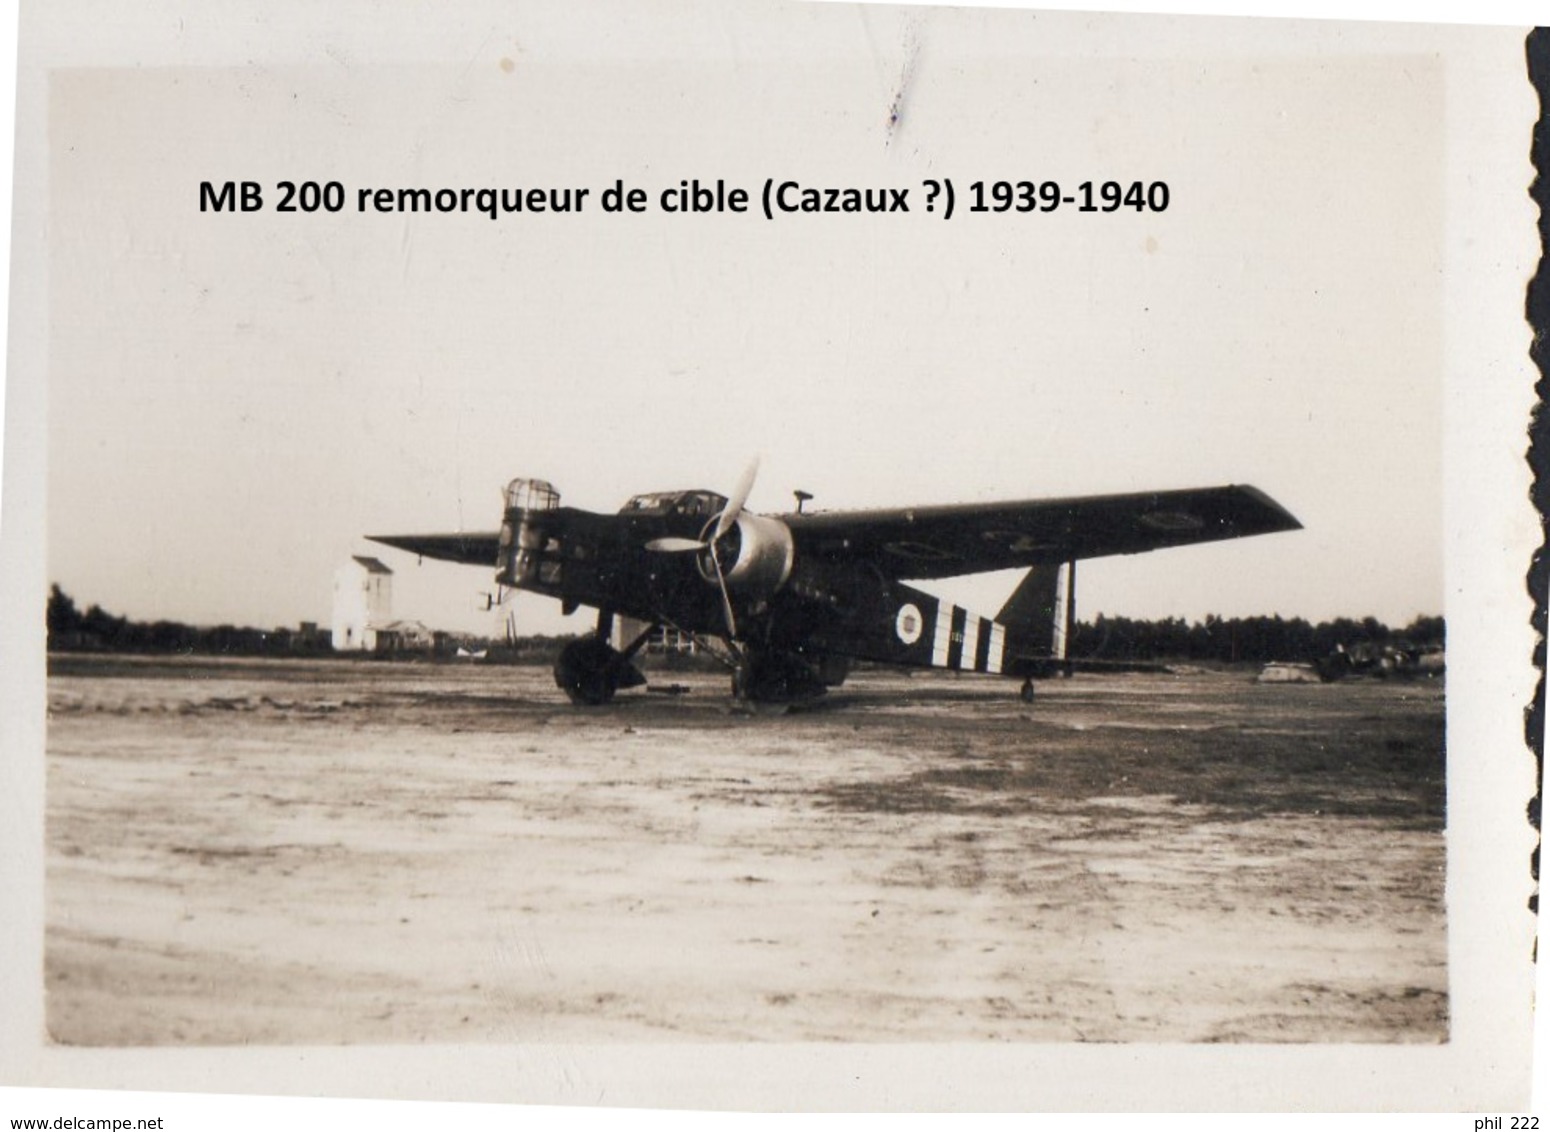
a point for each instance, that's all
(756, 556)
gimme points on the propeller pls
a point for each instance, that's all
(734, 506)
(674, 544)
(726, 597)
(671, 544)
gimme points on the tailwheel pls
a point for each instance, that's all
(1026, 692)
(590, 671)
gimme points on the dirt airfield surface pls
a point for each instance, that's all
(337, 852)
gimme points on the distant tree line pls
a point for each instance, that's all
(1252, 639)
(96, 629)
(1245, 639)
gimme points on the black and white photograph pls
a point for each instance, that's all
(770, 556)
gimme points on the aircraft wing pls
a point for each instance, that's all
(470, 549)
(970, 538)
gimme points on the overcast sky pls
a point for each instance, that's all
(235, 399)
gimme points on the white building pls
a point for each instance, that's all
(363, 601)
(403, 636)
(665, 639)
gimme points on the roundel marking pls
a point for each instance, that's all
(909, 623)
(1015, 542)
(924, 552)
(1170, 521)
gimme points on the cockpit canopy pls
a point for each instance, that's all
(700, 504)
(532, 495)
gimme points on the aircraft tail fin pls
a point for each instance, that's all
(1039, 608)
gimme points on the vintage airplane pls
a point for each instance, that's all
(796, 598)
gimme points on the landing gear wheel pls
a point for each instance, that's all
(774, 677)
(1026, 692)
(588, 672)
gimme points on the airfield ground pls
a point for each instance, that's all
(335, 852)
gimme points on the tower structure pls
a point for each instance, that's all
(363, 602)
